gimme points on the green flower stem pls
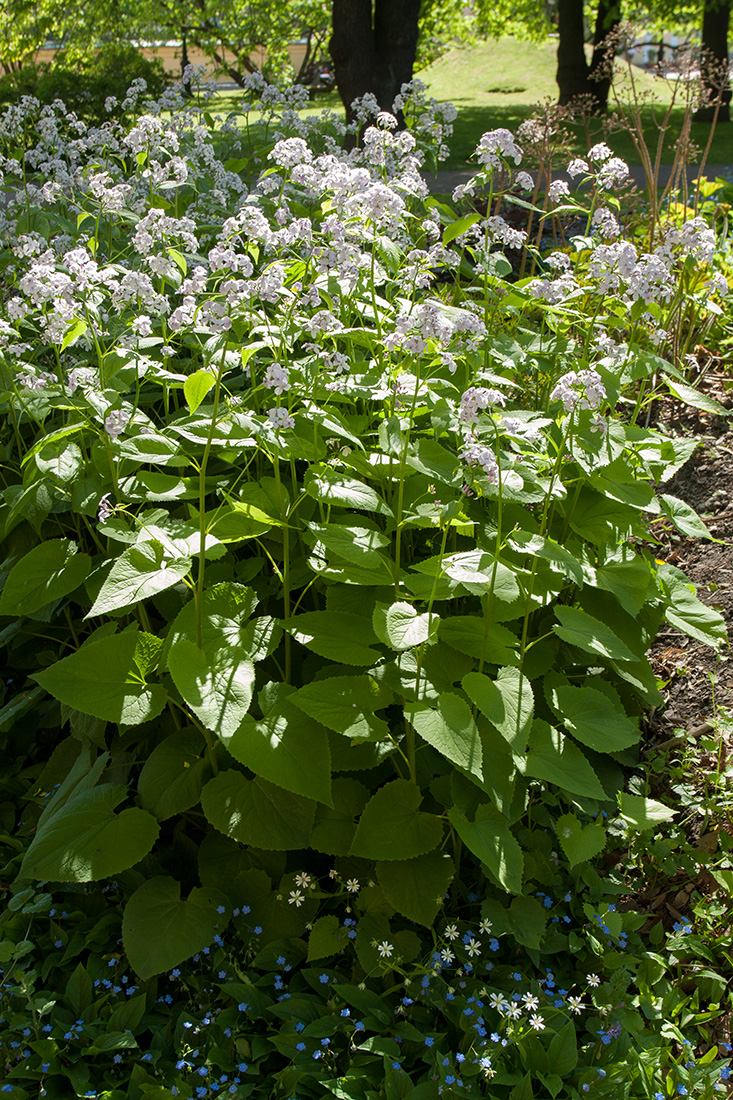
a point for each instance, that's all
(495, 567)
(286, 567)
(199, 589)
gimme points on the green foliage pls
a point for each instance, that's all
(86, 83)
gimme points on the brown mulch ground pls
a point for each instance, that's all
(699, 681)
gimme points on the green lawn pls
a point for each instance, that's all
(500, 82)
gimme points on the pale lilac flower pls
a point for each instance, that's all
(558, 191)
(476, 398)
(105, 508)
(524, 181)
(79, 376)
(579, 389)
(499, 232)
(606, 223)
(558, 261)
(613, 172)
(497, 146)
(35, 382)
(718, 284)
(599, 152)
(476, 454)
(577, 167)
(289, 152)
(142, 325)
(280, 418)
(277, 378)
(116, 423)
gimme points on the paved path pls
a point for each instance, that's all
(445, 182)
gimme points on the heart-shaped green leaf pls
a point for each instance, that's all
(159, 930)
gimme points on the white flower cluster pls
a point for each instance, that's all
(579, 390)
(475, 453)
(496, 147)
(478, 397)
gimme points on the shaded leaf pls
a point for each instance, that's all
(160, 930)
(417, 887)
(579, 842)
(46, 573)
(491, 840)
(257, 812)
(86, 840)
(450, 729)
(392, 827)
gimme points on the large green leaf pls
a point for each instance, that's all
(480, 570)
(257, 812)
(698, 400)
(687, 612)
(597, 718)
(225, 611)
(160, 930)
(392, 826)
(468, 634)
(579, 842)
(507, 702)
(106, 678)
(548, 550)
(337, 635)
(174, 773)
(353, 543)
(334, 487)
(591, 635)
(328, 937)
(401, 627)
(491, 840)
(196, 387)
(287, 748)
(417, 887)
(217, 684)
(556, 759)
(345, 704)
(628, 580)
(641, 813)
(45, 573)
(685, 518)
(450, 729)
(334, 827)
(216, 679)
(562, 1055)
(86, 840)
(140, 571)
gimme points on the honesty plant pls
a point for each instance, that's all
(323, 533)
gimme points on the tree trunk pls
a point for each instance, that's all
(600, 73)
(575, 77)
(714, 62)
(572, 68)
(373, 47)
